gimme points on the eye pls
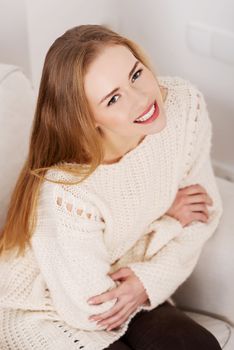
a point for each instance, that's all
(112, 100)
(136, 74)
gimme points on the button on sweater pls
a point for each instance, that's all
(114, 218)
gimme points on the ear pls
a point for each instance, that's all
(164, 92)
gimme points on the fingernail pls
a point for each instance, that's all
(91, 302)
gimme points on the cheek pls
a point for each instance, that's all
(110, 119)
(154, 88)
(154, 85)
(149, 78)
(118, 118)
(119, 121)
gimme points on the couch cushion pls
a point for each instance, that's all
(210, 287)
(222, 330)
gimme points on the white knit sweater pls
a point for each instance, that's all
(115, 218)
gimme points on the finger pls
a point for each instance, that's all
(198, 198)
(118, 317)
(115, 318)
(98, 299)
(199, 208)
(192, 189)
(117, 307)
(121, 273)
(199, 217)
(122, 320)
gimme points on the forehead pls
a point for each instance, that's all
(109, 70)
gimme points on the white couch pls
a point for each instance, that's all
(210, 288)
(208, 295)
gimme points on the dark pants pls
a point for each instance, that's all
(165, 328)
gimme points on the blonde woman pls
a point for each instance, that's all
(113, 205)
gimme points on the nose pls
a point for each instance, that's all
(140, 101)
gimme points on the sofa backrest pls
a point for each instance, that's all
(210, 287)
(17, 104)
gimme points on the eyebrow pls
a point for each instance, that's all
(116, 89)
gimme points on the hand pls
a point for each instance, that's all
(130, 294)
(190, 205)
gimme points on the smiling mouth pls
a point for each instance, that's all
(147, 109)
(150, 115)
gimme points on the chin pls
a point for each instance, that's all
(159, 124)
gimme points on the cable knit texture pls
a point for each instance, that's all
(114, 218)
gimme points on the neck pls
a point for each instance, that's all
(114, 152)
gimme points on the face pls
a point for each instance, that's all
(120, 89)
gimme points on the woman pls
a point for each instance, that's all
(113, 205)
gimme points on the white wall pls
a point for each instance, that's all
(161, 28)
(13, 34)
(49, 19)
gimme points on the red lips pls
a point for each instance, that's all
(146, 111)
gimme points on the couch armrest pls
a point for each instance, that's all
(17, 103)
(210, 288)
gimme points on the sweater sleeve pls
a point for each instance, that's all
(173, 250)
(69, 248)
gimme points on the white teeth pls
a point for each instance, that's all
(147, 115)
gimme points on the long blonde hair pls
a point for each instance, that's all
(63, 129)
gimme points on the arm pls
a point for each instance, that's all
(169, 260)
(69, 247)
